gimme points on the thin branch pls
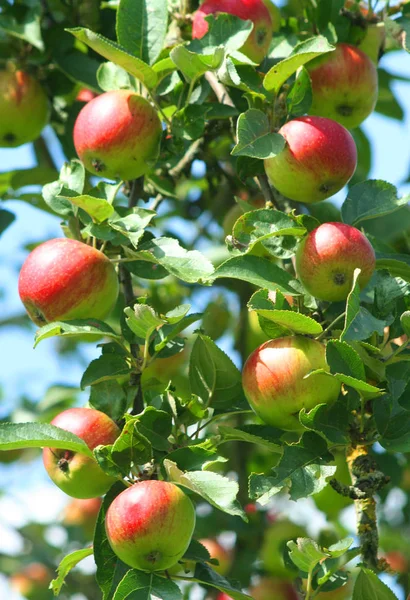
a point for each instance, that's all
(267, 190)
(220, 90)
(187, 158)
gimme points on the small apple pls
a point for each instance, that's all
(223, 596)
(344, 85)
(273, 589)
(397, 561)
(24, 109)
(32, 582)
(63, 279)
(150, 525)
(275, 16)
(258, 42)
(319, 158)
(327, 257)
(274, 544)
(76, 474)
(275, 383)
(117, 135)
(82, 513)
(85, 95)
(217, 551)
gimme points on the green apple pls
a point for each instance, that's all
(276, 537)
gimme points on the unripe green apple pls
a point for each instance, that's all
(269, 588)
(76, 474)
(24, 108)
(63, 279)
(257, 45)
(32, 582)
(327, 257)
(275, 384)
(344, 85)
(275, 16)
(319, 158)
(82, 513)
(274, 545)
(150, 525)
(117, 135)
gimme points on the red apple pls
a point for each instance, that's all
(273, 589)
(327, 257)
(76, 474)
(275, 385)
(217, 551)
(257, 45)
(82, 513)
(63, 279)
(275, 16)
(32, 582)
(85, 95)
(150, 525)
(344, 85)
(397, 561)
(319, 158)
(117, 135)
(223, 596)
(24, 109)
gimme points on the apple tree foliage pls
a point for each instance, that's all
(195, 302)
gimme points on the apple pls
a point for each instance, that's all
(397, 561)
(150, 525)
(85, 95)
(258, 42)
(82, 513)
(117, 135)
(274, 544)
(32, 582)
(24, 108)
(63, 279)
(76, 474)
(275, 16)
(273, 589)
(344, 85)
(217, 551)
(319, 158)
(327, 257)
(275, 385)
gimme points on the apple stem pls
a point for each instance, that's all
(332, 324)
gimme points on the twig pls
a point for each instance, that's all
(187, 158)
(332, 324)
(220, 90)
(267, 190)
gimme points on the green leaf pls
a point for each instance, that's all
(369, 200)
(133, 226)
(6, 219)
(212, 374)
(193, 65)
(368, 587)
(303, 469)
(299, 99)
(258, 271)
(359, 322)
(306, 554)
(99, 209)
(332, 422)
(189, 265)
(72, 177)
(27, 27)
(255, 137)
(69, 562)
(259, 225)
(39, 435)
(116, 54)
(225, 31)
(301, 54)
(292, 321)
(342, 358)
(204, 575)
(110, 398)
(142, 320)
(131, 446)
(142, 27)
(405, 322)
(107, 366)
(219, 491)
(398, 265)
(74, 328)
(262, 435)
(156, 426)
(112, 77)
(146, 586)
